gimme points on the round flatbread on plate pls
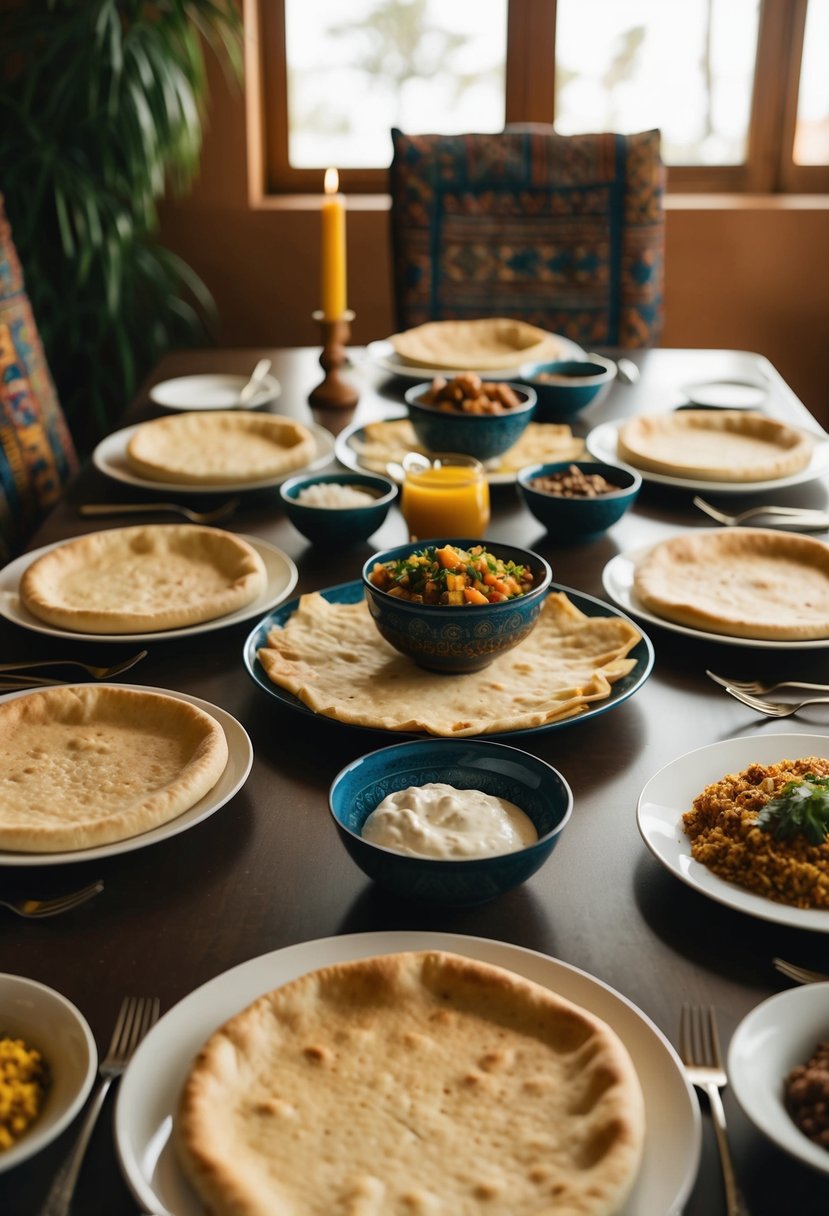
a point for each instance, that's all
(486, 344)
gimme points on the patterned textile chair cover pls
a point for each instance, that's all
(36, 451)
(565, 232)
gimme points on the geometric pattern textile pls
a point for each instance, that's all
(563, 231)
(37, 455)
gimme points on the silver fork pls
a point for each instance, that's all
(137, 1015)
(99, 673)
(699, 1047)
(36, 909)
(795, 517)
(774, 709)
(800, 975)
(223, 511)
(757, 688)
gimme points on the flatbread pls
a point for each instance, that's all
(142, 579)
(382, 443)
(714, 445)
(332, 657)
(91, 764)
(743, 582)
(219, 447)
(421, 1082)
(480, 345)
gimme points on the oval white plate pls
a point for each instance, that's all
(617, 580)
(48, 1021)
(239, 762)
(601, 443)
(212, 392)
(281, 572)
(778, 1034)
(726, 394)
(671, 792)
(149, 1092)
(109, 457)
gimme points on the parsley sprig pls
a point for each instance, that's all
(801, 807)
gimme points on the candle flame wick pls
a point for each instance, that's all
(332, 181)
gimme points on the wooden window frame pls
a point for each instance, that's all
(530, 97)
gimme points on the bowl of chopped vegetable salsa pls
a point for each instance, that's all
(454, 605)
(483, 419)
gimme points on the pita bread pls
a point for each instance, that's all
(332, 657)
(481, 345)
(743, 582)
(714, 445)
(219, 447)
(420, 1082)
(382, 443)
(141, 579)
(88, 765)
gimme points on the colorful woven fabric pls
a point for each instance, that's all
(36, 450)
(565, 232)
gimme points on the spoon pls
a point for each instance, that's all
(249, 391)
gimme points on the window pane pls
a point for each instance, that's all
(685, 66)
(811, 137)
(355, 70)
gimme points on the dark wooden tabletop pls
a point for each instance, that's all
(267, 870)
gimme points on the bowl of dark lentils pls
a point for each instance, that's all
(577, 500)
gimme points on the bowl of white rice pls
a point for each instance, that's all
(337, 508)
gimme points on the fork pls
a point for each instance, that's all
(756, 688)
(801, 975)
(100, 673)
(774, 709)
(135, 1018)
(795, 517)
(36, 909)
(223, 511)
(699, 1046)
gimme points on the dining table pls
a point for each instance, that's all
(267, 872)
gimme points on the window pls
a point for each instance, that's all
(739, 88)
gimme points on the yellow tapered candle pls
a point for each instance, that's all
(333, 249)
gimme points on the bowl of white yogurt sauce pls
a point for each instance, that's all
(453, 821)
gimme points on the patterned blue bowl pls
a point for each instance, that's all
(453, 639)
(337, 526)
(574, 384)
(576, 519)
(495, 768)
(480, 435)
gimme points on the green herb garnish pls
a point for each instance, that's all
(801, 807)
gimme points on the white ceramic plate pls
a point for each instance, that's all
(110, 459)
(671, 792)
(601, 444)
(212, 392)
(239, 761)
(47, 1021)
(281, 574)
(726, 394)
(617, 579)
(778, 1034)
(382, 355)
(149, 1091)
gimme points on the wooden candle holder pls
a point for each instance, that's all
(333, 391)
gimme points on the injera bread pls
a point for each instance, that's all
(714, 445)
(388, 441)
(90, 764)
(332, 657)
(743, 582)
(219, 447)
(421, 1082)
(142, 579)
(482, 345)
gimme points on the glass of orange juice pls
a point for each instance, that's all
(445, 496)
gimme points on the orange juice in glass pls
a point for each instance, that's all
(445, 496)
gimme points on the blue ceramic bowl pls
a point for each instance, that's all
(537, 788)
(480, 435)
(574, 384)
(337, 526)
(569, 519)
(453, 639)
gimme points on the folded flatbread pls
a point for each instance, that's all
(142, 579)
(388, 441)
(412, 1083)
(480, 345)
(332, 657)
(87, 765)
